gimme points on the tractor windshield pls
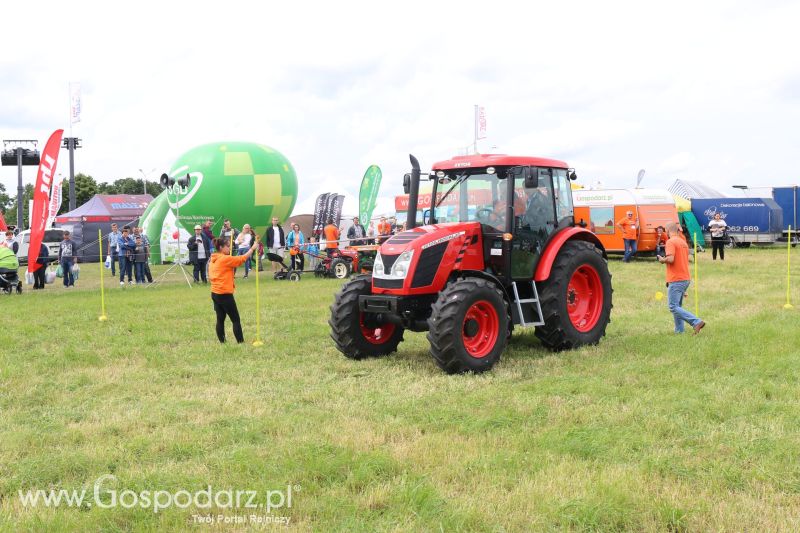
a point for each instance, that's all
(470, 197)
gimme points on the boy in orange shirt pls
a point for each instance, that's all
(677, 260)
(331, 237)
(630, 231)
(220, 273)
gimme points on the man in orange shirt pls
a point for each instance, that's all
(331, 237)
(384, 230)
(220, 273)
(630, 231)
(677, 260)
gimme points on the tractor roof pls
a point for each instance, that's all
(490, 160)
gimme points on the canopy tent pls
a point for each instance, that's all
(693, 189)
(99, 213)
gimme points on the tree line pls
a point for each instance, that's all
(85, 188)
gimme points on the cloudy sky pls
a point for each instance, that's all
(704, 91)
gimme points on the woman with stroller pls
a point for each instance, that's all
(220, 273)
(296, 242)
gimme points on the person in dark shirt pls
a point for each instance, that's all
(40, 275)
(139, 259)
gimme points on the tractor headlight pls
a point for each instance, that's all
(400, 267)
(377, 266)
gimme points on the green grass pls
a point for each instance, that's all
(648, 431)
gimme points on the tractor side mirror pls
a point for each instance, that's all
(531, 176)
(571, 174)
(426, 217)
(407, 183)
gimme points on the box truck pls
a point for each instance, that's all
(750, 220)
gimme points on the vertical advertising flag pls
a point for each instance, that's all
(328, 212)
(319, 212)
(74, 103)
(55, 199)
(41, 197)
(368, 196)
(480, 122)
(336, 208)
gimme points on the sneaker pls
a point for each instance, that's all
(121, 283)
(697, 327)
(130, 283)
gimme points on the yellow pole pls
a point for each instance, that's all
(696, 303)
(788, 304)
(258, 341)
(102, 317)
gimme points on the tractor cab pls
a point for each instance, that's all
(528, 199)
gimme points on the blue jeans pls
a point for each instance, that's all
(125, 266)
(114, 259)
(66, 267)
(630, 249)
(139, 267)
(675, 293)
(247, 264)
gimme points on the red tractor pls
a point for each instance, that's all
(499, 247)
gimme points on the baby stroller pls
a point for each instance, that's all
(285, 272)
(9, 279)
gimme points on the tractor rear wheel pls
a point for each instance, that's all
(357, 334)
(576, 298)
(468, 326)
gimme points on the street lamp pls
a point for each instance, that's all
(144, 177)
(743, 188)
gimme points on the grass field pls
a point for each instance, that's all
(647, 431)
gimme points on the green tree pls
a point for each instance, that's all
(85, 188)
(11, 213)
(5, 199)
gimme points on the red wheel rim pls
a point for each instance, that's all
(378, 335)
(584, 298)
(480, 329)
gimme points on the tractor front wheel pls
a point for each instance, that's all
(357, 334)
(468, 326)
(576, 298)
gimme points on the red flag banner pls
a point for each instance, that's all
(41, 197)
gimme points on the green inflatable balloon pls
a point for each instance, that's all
(246, 182)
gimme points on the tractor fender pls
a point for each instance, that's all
(483, 275)
(555, 244)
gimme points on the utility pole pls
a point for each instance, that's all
(144, 178)
(71, 143)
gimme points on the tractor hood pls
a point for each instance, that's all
(427, 236)
(424, 257)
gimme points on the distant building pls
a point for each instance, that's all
(694, 189)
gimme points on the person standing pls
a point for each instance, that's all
(221, 269)
(40, 275)
(199, 252)
(276, 241)
(229, 233)
(244, 241)
(371, 232)
(718, 228)
(384, 230)
(139, 259)
(66, 258)
(356, 234)
(331, 238)
(113, 247)
(661, 240)
(126, 246)
(146, 241)
(630, 233)
(677, 260)
(296, 242)
(313, 252)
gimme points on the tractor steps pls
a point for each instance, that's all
(526, 311)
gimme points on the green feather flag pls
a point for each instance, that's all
(368, 196)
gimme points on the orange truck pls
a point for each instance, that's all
(601, 209)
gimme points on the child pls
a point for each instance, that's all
(139, 259)
(313, 248)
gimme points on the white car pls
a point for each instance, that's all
(52, 239)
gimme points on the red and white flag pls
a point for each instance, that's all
(74, 102)
(480, 122)
(40, 211)
(55, 199)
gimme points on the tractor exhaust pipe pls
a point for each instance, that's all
(413, 194)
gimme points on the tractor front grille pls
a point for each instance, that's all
(428, 265)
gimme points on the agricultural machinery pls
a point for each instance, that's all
(498, 247)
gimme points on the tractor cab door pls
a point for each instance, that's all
(536, 217)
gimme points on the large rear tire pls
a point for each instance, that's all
(360, 335)
(576, 298)
(468, 326)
